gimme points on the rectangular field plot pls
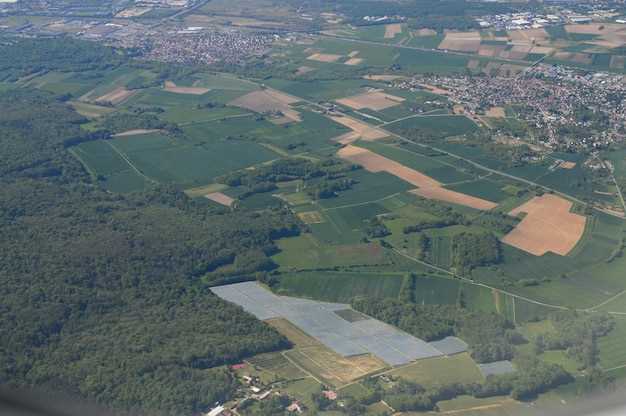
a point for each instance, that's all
(437, 126)
(340, 286)
(319, 320)
(458, 368)
(496, 368)
(305, 252)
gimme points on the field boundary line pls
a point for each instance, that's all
(361, 203)
(283, 353)
(127, 160)
(609, 300)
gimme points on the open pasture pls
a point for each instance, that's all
(548, 226)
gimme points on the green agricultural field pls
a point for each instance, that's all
(436, 126)
(339, 286)
(322, 90)
(481, 188)
(370, 187)
(582, 279)
(440, 371)
(611, 347)
(305, 252)
(166, 160)
(100, 158)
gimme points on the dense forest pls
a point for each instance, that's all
(105, 295)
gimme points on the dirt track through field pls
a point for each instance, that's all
(427, 186)
(548, 226)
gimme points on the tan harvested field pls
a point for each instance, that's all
(220, 198)
(90, 110)
(170, 86)
(495, 112)
(375, 100)
(528, 35)
(446, 195)
(461, 41)
(268, 101)
(491, 50)
(354, 61)
(324, 57)
(382, 77)
(618, 62)
(567, 165)
(347, 138)
(311, 217)
(117, 96)
(542, 50)
(135, 132)
(425, 32)
(364, 130)
(427, 186)
(392, 30)
(434, 89)
(548, 226)
(333, 368)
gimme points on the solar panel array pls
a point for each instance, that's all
(450, 345)
(319, 320)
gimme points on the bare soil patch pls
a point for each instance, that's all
(354, 61)
(304, 69)
(311, 217)
(376, 100)
(364, 130)
(324, 57)
(117, 96)
(529, 35)
(595, 28)
(347, 138)
(491, 50)
(170, 86)
(495, 112)
(220, 198)
(135, 132)
(382, 77)
(392, 30)
(548, 226)
(567, 165)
